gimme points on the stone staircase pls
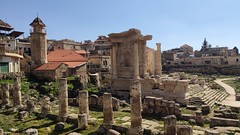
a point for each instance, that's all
(207, 95)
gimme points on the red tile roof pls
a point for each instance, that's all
(74, 64)
(49, 66)
(65, 56)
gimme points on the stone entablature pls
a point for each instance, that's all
(127, 53)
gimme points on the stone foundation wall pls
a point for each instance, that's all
(205, 69)
(214, 121)
(170, 89)
(11, 75)
(160, 107)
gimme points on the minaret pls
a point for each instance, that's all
(38, 43)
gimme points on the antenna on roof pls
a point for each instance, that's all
(37, 14)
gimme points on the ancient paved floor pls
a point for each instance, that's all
(230, 100)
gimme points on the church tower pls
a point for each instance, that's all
(38, 43)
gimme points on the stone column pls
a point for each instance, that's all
(135, 61)
(199, 118)
(142, 51)
(184, 130)
(170, 125)
(107, 110)
(5, 94)
(17, 96)
(83, 102)
(158, 65)
(82, 121)
(45, 106)
(63, 99)
(136, 108)
(1, 131)
(114, 63)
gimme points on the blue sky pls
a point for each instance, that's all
(170, 22)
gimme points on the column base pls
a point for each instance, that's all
(135, 131)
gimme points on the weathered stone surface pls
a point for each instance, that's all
(158, 101)
(93, 101)
(170, 125)
(113, 132)
(205, 109)
(199, 119)
(59, 126)
(191, 107)
(107, 110)
(45, 106)
(150, 101)
(17, 97)
(5, 94)
(184, 130)
(115, 104)
(215, 121)
(30, 106)
(192, 121)
(31, 131)
(101, 130)
(235, 109)
(1, 131)
(83, 102)
(136, 108)
(211, 132)
(120, 129)
(23, 114)
(74, 133)
(82, 121)
(63, 100)
(186, 117)
(237, 96)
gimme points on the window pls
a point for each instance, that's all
(9, 45)
(237, 60)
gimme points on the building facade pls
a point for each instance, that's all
(9, 53)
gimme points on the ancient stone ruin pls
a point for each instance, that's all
(63, 100)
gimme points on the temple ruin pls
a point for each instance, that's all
(132, 59)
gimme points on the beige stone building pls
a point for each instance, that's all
(187, 49)
(234, 60)
(65, 44)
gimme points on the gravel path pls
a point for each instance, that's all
(231, 99)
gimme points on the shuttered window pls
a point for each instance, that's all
(4, 67)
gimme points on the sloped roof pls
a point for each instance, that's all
(49, 66)
(37, 21)
(81, 52)
(5, 26)
(74, 64)
(65, 56)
